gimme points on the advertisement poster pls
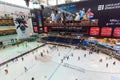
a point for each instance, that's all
(116, 32)
(22, 25)
(37, 21)
(106, 31)
(104, 13)
(94, 31)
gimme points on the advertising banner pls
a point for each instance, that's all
(94, 31)
(102, 14)
(106, 31)
(116, 32)
(105, 13)
(37, 21)
(22, 25)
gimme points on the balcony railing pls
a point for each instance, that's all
(93, 22)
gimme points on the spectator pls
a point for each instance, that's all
(32, 78)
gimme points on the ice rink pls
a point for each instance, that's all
(13, 51)
(56, 65)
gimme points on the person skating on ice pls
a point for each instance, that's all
(22, 59)
(32, 78)
(72, 54)
(84, 55)
(78, 58)
(114, 63)
(6, 71)
(41, 54)
(106, 64)
(67, 57)
(61, 60)
(100, 60)
(25, 68)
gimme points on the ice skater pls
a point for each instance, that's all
(67, 57)
(16, 59)
(6, 71)
(106, 64)
(32, 52)
(61, 60)
(35, 57)
(100, 60)
(32, 78)
(72, 54)
(64, 57)
(84, 55)
(110, 57)
(22, 59)
(6, 65)
(106, 58)
(43, 51)
(57, 49)
(58, 54)
(78, 57)
(26, 45)
(17, 45)
(41, 54)
(25, 69)
(89, 52)
(114, 63)
(47, 51)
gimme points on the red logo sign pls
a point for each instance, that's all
(94, 31)
(35, 29)
(106, 31)
(45, 29)
(116, 32)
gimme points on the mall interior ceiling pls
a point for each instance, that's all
(54, 2)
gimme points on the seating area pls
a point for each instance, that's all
(7, 32)
(74, 41)
(63, 40)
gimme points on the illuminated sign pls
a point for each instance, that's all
(94, 31)
(106, 31)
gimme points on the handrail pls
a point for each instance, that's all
(71, 23)
(3, 63)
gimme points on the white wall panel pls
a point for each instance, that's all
(6, 8)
